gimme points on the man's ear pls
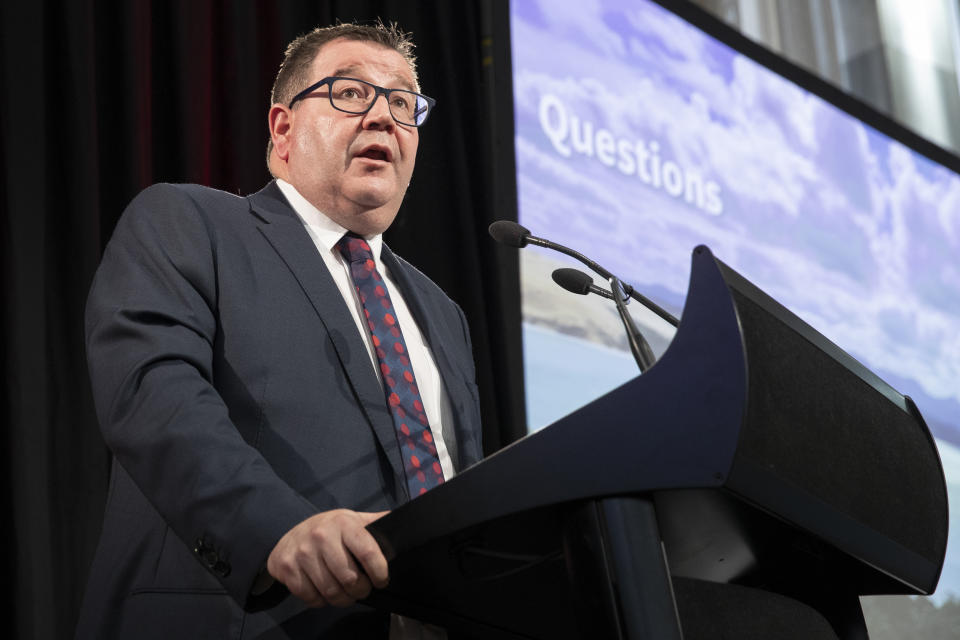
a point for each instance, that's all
(279, 122)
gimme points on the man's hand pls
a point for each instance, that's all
(317, 559)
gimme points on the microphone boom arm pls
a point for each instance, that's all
(606, 275)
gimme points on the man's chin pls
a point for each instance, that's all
(371, 192)
(368, 201)
(373, 198)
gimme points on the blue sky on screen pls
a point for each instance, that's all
(638, 137)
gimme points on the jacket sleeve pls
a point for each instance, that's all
(151, 323)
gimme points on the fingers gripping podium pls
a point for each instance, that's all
(755, 481)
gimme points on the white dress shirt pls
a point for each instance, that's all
(325, 234)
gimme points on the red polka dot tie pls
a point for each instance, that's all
(399, 384)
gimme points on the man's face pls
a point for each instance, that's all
(354, 168)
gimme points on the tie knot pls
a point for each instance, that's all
(354, 248)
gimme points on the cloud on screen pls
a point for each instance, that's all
(854, 233)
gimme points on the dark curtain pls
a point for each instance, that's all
(101, 99)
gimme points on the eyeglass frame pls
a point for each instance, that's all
(378, 91)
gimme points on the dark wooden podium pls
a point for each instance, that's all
(754, 455)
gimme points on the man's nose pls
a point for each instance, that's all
(379, 116)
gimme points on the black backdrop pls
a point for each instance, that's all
(101, 99)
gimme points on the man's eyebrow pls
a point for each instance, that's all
(399, 82)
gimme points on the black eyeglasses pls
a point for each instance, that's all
(357, 96)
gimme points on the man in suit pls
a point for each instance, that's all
(243, 386)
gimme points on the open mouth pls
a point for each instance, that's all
(374, 153)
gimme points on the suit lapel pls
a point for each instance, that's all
(454, 379)
(286, 234)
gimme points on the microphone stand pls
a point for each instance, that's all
(515, 235)
(639, 346)
(602, 272)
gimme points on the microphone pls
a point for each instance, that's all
(576, 281)
(509, 233)
(515, 235)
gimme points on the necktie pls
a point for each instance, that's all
(399, 384)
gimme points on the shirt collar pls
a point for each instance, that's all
(326, 231)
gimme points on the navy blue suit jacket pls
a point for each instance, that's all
(238, 399)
